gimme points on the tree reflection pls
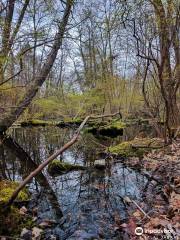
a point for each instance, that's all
(27, 165)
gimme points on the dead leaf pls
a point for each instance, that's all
(154, 222)
(131, 226)
(124, 225)
(47, 223)
(137, 214)
(36, 233)
(23, 210)
(175, 201)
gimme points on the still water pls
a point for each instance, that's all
(90, 201)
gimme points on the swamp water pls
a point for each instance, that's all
(91, 200)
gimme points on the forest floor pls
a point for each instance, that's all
(158, 214)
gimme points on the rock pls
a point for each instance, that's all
(26, 234)
(100, 164)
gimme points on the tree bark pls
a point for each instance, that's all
(168, 77)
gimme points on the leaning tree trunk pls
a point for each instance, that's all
(11, 116)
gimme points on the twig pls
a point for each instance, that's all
(127, 199)
(145, 214)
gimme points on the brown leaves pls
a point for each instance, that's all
(156, 223)
(36, 233)
(132, 226)
(23, 210)
(47, 223)
(177, 182)
(167, 190)
(175, 201)
(163, 166)
(138, 215)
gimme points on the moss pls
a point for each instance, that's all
(117, 124)
(137, 147)
(38, 122)
(11, 221)
(7, 188)
(76, 121)
(58, 167)
(112, 129)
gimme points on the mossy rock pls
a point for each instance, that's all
(11, 221)
(135, 148)
(56, 167)
(6, 190)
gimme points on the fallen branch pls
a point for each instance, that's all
(52, 157)
(128, 200)
(145, 214)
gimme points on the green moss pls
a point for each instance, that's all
(137, 147)
(7, 188)
(76, 121)
(58, 167)
(11, 221)
(38, 122)
(117, 125)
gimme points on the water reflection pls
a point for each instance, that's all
(22, 165)
(90, 200)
